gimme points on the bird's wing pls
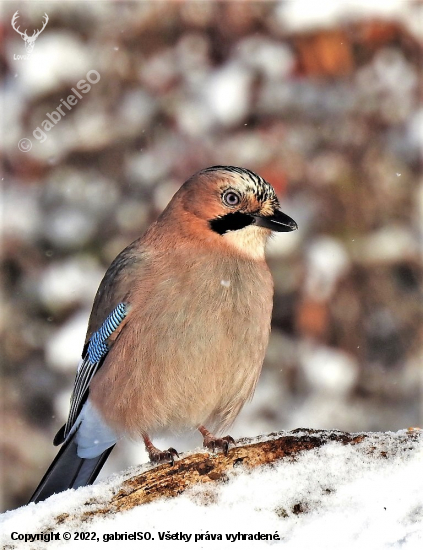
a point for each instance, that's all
(93, 356)
(123, 274)
(115, 288)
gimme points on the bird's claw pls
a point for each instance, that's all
(211, 442)
(158, 456)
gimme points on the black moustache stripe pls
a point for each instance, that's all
(230, 222)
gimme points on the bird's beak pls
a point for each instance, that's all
(278, 221)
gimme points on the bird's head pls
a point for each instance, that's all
(233, 207)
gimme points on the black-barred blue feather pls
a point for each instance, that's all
(93, 356)
(97, 347)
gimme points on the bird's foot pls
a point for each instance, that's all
(212, 442)
(158, 456)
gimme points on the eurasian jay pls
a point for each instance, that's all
(179, 327)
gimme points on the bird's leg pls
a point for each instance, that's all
(211, 442)
(156, 455)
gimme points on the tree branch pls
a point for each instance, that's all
(201, 468)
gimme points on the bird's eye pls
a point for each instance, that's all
(231, 199)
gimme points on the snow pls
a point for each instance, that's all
(303, 14)
(350, 498)
(331, 372)
(63, 348)
(47, 71)
(65, 282)
(327, 262)
(227, 94)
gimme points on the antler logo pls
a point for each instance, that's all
(29, 40)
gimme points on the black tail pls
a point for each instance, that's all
(68, 471)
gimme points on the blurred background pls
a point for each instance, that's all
(322, 99)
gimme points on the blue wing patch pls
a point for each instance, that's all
(96, 351)
(97, 347)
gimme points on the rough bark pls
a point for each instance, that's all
(169, 481)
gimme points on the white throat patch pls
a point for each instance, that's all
(250, 241)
